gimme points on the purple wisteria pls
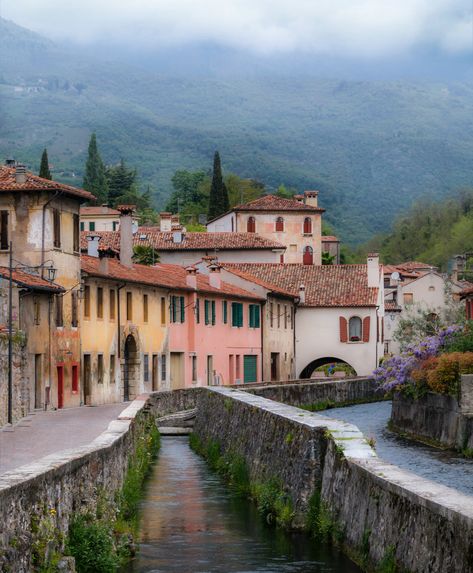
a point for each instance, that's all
(395, 372)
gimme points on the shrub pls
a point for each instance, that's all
(91, 543)
(462, 341)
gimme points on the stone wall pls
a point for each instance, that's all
(20, 390)
(379, 509)
(51, 490)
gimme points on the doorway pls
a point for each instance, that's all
(210, 370)
(130, 369)
(38, 381)
(250, 371)
(274, 366)
(87, 385)
(177, 370)
(60, 386)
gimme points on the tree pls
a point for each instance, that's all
(44, 170)
(95, 181)
(123, 188)
(327, 258)
(218, 199)
(145, 255)
(191, 192)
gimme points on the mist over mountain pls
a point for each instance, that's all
(370, 143)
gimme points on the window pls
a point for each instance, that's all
(292, 317)
(154, 372)
(354, 329)
(99, 302)
(92, 226)
(56, 228)
(307, 226)
(254, 315)
(237, 314)
(308, 256)
(145, 308)
(100, 369)
(194, 368)
(146, 367)
(36, 310)
(197, 310)
(279, 225)
(225, 311)
(76, 234)
(408, 298)
(178, 310)
(74, 309)
(129, 306)
(75, 378)
(238, 367)
(82, 226)
(4, 230)
(271, 315)
(59, 311)
(87, 301)
(112, 368)
(111, 303)
(279, 315)
(213, 311)
(285, 317)
(115, 225)
(163, 367)
(251, 225)
(163, 311)
(209, 312)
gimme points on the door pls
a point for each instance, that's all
(60, 387)
(250, 372)
(274, 366)
(38, 381)
(210, 370)
(177, 370)
(87, 386)
(308, 257)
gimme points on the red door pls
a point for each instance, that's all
(308, 257)
(60, 386)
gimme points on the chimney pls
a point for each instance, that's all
(373, 270)
(311, 198)
(105, 255)
(165, 222)
(302, 294)
(299, 198)
(191, 277)
(215, 280)
(20, 174)
(126, 234)
(93, 245)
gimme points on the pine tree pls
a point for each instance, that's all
(218, 199)
(95, 180)
(44, 170)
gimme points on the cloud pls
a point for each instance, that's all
(366, 28)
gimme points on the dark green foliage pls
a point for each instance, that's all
(191, 192)
(462, 341)
(95, 181)
(44, 170)
(327, 258)
(218, 198)
(319, 520)
(388, 563)
(145, 255)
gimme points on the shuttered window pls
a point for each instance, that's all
(197, 310)
(237, 314)
(366, 329)
(225, 311)
(74, 309)
(59, 311)
(254, 316)
(87, 301)
(57, 228)
(343, 329)
(212, 305)
(4, 230)
(111, 303)
(129, 306)
(178, 310)
(76, 234)
(145, 308)
(207, 312)
(99, 302)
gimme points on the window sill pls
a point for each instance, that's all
(307, 234)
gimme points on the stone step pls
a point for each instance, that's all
(184, 418)
(174, 431)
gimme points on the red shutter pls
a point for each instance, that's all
(343, 329)
(382, 329)
(366, 329)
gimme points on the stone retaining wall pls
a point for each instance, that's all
(379, 509)
(51, 490)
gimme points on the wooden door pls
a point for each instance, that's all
(87, 388)
(250, 371)
(308, 257)
(60, 386)
(177, 370)
(210, 370)
(38, 381)
(154, 372)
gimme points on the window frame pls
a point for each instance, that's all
(353, 338)
(279, 224)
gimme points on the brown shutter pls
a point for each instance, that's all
(366, 329)
(382, 329)
(343, 329)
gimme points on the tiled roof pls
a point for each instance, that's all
(34, 183)
(275, 203)
(325, 285)
(391, 306)
(329, 239)
(191, 241)
(466, 292)
(259, 281)
(27, 280)
(99, 210)
(167, 276)
(415, 266)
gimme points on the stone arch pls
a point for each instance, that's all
(309, 369)
(131, 368)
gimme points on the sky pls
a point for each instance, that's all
(367, 29)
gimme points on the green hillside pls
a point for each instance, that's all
(371, 148)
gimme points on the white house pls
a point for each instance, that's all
(100, 218)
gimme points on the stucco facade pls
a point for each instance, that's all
(186, 258)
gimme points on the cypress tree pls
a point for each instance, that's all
(95, 180)
(44, 170)
(218, 199)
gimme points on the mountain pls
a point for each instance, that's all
(370, 147)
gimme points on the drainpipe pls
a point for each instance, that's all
(294, 372)
(377, 336)
(262, 307)
(47, 395)
(118, 319)
(43, 229)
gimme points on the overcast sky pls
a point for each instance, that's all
(366, 28)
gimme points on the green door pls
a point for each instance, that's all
(249, 368)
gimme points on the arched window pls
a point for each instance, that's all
(354, 329)
(251, 225)
(307, 226)
(279, 224)
(308, 256)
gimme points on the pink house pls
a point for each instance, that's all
(215, 333)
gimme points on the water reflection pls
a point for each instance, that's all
(442, 466)
(192, 524)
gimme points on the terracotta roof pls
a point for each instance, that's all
(325, 285)
(191, 241)
(99, 210)
(391, 306)
(466, 292)
(27, 280)
(171, 277)
(329, 239)
(275, 203)
(34, 183)
(406, 274)
(261, 282)
(415, 266)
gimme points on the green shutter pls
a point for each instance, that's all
(250, 373)
(183, 309)
(234, 318)
(213, 312)
(91, 226)
(82, 226)
(224, 312)
(197, 310)
(241, 314)
(173, 309)
(206, 312)
(257, 315)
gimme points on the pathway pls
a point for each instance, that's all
(44, 433)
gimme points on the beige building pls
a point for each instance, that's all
(296, 223)
(100, 218)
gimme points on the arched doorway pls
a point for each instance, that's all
(130, 368)
(308, 256)
(309, 369)
(250, 225)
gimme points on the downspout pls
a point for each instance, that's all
(118, 319)
(377, 336)
(263, 307)
(47, 397)
(43, 229)
(294, 372)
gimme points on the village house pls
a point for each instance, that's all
(340, 314)
(296, 223)
(40, 219)
(99, 218)
(331, 246)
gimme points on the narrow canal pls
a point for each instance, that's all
(442, 466)
(192, 523)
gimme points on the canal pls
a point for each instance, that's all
(192, 523)
(442, 466)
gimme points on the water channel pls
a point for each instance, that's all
(442, 466)
(192, 523)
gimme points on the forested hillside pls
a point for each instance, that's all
(371, 148)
